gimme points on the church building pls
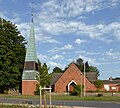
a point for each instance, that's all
(65, 82)
(30, 66)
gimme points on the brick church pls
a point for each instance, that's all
(63, 82)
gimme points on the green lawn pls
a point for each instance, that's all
(17, 106)
(66, 97)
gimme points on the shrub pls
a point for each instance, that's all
(77, 90)
(5, 91)
(90, 91)
(99, 95)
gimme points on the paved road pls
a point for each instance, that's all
(89, 104)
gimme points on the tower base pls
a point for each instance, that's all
(29, 87)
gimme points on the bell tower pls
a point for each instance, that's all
(30, 66)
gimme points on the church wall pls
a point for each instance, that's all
(28, 87)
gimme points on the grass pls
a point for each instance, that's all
(23, 106)
(14, 106)
(90, 98)
(66, 97)
(17, 106)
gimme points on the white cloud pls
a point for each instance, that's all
(24, 28)
(57, 57)
(91, 61)
(42, 58)
(112, 55)
(67, 47)
(45, 39)
(98, 31)
(55, 64)
(79, 41)
(73, 8)
(55, 15)
(3, 15)
(64, 48)
(117, 34)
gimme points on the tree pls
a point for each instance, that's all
(88, 68)
(57, 70)
(98, 84)
(44, 75)
(93, 69)
(12, 53)
(80, 64)
(77, 89)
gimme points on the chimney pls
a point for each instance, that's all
(110, 79)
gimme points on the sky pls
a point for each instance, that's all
(66, 30)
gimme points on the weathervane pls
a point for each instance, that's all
(32, 13)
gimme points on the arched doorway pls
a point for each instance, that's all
(70, 86)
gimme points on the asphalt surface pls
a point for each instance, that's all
(95, 104)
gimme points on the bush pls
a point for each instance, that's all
(99, 95)
(90, 91)
(97, 91)
(5, 91)
(77, 90)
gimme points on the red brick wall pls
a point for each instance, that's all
(118, 88)
(28, 87)
(72, 73)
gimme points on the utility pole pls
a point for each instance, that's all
(84, 79)
(81, 84)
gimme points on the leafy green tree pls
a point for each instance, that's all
(57, 70)
(44, 75)
(80, 64)
(98, 84)
(77, 89)
(88, 68)
(12, 53)
(93, 69)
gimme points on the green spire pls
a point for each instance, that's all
(30, 70)
(31, 50)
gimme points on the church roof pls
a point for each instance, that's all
(29, 75)
(31, 49)
(55, 77)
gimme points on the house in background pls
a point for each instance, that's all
(112, 84)
(64, 82)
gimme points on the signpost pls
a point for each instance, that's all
(45, 96)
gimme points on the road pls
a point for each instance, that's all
(95, 104)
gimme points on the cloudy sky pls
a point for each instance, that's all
(66, 30)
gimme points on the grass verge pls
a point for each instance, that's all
(67, 97)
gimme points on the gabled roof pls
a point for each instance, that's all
(55, 77)
(91, 76)
(111, 82)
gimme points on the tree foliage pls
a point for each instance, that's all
(43, 74)
(98, 84)
(77, 89)
(88, 68)
(57, 70)
(12, 53)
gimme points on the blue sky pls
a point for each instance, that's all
(66, 30)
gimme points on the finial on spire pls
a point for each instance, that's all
(32, 13)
